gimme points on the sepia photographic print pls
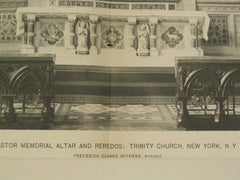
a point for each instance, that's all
(127, 65)
(120, 79)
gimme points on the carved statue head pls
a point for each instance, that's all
(143, 27)
(82, 24)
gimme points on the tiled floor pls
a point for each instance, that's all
(115, 117)
(102, 117)
(111, 117)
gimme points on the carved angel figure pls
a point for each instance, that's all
(143, 38)
(82, 32)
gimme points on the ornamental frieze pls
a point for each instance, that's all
(81, 32)
(164, 5)
(111, 5)
(218, 7)
(76, 3)
(149, 6)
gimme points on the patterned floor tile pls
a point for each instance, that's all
(111, 117)
(119, 112)
(88, 108)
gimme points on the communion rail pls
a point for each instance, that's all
(26, 86)
(208, 90)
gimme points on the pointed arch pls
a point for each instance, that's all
(227, 79)
(25, 71)
(201, 73)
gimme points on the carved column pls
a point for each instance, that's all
(182, 112)
(193, 33)
(9, 113)
(130, 45)
(153, 36)
(29, 35)
(48, 111)
(219, 110)
(93, 35)
(70, 32)
(200, 38)
(181, 103)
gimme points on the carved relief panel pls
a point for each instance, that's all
(8, 27)
(172, 36)
(218, 31)
(51, 33)
(237, 24)
(112, 35)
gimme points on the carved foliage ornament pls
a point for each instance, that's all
(172, 37)
(8, 26)
(52, 34)
(112, 36)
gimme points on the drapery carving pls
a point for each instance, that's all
(143, 39)
(82, 32)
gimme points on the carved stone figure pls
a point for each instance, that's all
(143, 40)
(82, 32)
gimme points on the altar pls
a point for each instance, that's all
(112, 34)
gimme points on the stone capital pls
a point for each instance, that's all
(71, 18)
(31, 17)
(132, 20)
(193, 21)
(153, 21)
(93, 18)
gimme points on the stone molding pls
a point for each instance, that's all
(159, 5)
(218, 7)
(16, 5)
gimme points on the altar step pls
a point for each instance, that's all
(111, 85)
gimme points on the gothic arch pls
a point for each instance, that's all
(201, 73)
(23, 73)
(227, 79)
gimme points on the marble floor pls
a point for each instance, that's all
(101, 117)
(104, 117)
(115, 117)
